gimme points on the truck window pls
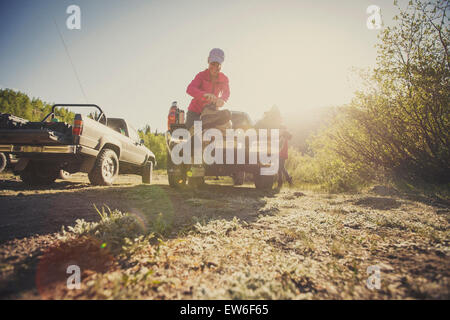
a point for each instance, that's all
(133, 134)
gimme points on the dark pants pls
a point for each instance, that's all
(191, 116)
(283, 172)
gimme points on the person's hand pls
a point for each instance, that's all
(219, 103)
(210, 97)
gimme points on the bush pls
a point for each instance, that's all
(111, 231)
(157, 144)
(398, 126)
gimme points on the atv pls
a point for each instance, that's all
(194, 174)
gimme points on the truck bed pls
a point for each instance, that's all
(14, 130)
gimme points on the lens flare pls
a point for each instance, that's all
(53, 270)
(140, 218)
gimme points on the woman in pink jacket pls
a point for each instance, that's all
(209, 87)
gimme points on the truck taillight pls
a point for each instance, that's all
(77, 128)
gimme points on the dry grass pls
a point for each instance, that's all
(317, 247)
(225, 242)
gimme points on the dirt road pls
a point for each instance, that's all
(219, 242)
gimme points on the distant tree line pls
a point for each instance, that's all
(20, 105)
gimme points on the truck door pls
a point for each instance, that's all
(137, 151)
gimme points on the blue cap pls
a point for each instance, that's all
(216, 55)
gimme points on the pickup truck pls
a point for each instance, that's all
(102, 147)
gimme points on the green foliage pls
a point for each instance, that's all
(401, 122)
(112, 230)
(326, 171)
(156, 143)
(20, 105)
(398, 126)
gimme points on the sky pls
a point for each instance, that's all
(135, 57)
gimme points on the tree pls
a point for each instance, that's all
(20, 105)
(399, 124)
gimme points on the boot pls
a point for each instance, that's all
(289, 179)
(280, 183)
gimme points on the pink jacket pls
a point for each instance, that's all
(202, 84)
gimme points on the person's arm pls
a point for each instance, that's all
(226, 91)
(225, 94)
(193, 88)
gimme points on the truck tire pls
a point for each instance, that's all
(36, 174)
(63, 174)
(238, 178)
(3, 161)
(106, 168)
(263, 182)
(147, 173)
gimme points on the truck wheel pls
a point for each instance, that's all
(106, 168)
(263, 182)
(39, 175)
(147, 173)
(2, 161)
(63, 174)
(238, 178)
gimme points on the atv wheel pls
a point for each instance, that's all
(238, 178)
(147, 173)
(106, 168)
(176, 180)
(196, 182)
(176, 174)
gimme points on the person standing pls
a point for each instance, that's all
(285, 136)
(209, 87)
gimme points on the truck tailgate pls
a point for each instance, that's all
(32, 136)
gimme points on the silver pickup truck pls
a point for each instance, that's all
(102, 147)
